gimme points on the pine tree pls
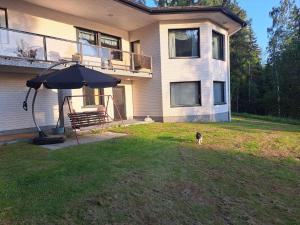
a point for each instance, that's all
(284, 61)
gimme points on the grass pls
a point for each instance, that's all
(246, 172)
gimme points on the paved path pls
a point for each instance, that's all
(91, 138)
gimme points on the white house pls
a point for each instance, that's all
(173, 62)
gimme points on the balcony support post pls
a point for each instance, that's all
(132, 62)
(45, 48)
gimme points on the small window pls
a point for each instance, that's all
(218, 45)
(91, 96)
(3, 18)
(184, 43)
(219, 93)
(112, 42)
(185, 94)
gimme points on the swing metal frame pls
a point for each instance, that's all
(106, 115)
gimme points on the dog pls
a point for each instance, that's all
(199, 138)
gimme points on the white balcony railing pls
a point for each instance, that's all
(36, 47)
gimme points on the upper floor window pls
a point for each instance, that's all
(88, 38)
(184, 43)
(219, 93)
(185, 93)
(3, 18)
(218, 44)
(112, 42)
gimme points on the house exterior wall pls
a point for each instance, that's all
(12, 85)
(147, 94)
(32, 18)
(143, 96)
(204, 69)
(12, 95)
(78, 105)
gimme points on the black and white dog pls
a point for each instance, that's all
(199, 138)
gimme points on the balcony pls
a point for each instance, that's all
(20, 48)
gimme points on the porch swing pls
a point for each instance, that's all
(95, 118)
(73, 77)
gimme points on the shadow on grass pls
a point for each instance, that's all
(171, 139)
(146, 181)
(252, 125)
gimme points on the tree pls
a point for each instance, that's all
(283, 66)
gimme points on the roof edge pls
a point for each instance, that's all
(186, 9)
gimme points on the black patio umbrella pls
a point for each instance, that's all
(73, 77)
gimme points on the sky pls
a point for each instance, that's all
(258, 11)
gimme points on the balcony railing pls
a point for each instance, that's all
(36, 47)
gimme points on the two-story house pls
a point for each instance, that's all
(173, 62)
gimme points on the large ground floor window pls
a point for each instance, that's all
(185, 93)
(91, 96)
(219, 93)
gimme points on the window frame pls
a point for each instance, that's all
(6, 17)
(120, 44)
(101, 90)
(198, 43)
(222, 45)
(98, 40)
(224, 93)
(185, 106)
(87, 30)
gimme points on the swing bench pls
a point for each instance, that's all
(89, 118)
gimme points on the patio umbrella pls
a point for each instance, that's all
(73, 77)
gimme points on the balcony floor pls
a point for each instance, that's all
(34, 66)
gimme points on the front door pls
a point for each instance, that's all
(119, 102)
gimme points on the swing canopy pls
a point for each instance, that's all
(73, 77)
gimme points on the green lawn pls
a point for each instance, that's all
(246, 172)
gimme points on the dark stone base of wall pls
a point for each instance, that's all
(26, 130)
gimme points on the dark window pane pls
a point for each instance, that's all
(184, 43)
(112, 42)
(185, 94)
(219, 93)
(218, 45)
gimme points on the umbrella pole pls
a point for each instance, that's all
(41, 133)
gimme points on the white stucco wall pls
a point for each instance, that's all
(12, 95)
(147, 94)
(12, 86)
(204, 69)
(143, 96)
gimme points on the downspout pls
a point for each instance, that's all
(228, 75)
(228, 79)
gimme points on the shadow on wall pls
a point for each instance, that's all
(13, 91)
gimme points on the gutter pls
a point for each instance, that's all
(186, 9)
